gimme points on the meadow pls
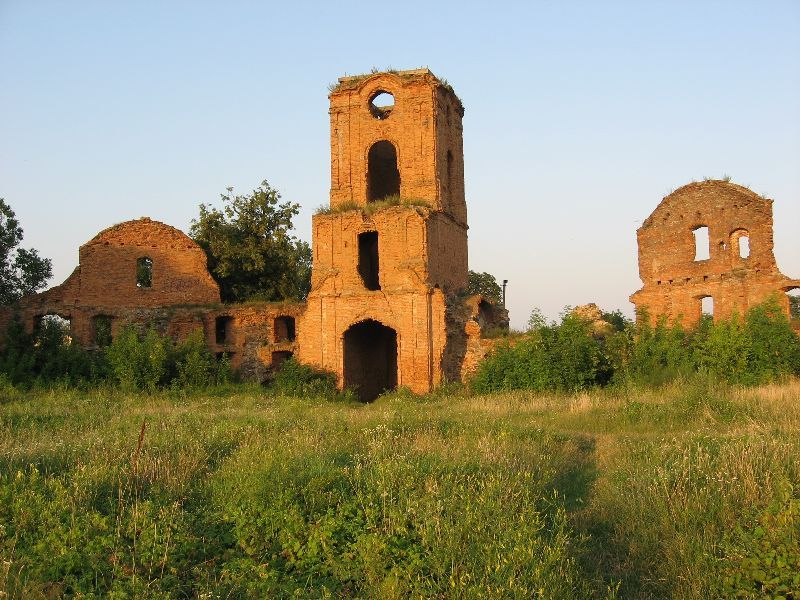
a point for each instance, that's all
(689, 490)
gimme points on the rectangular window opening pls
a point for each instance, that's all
(144, 272)
(223, 329)
(701, 243)
(368, 261)
(102, 330)
(284, 328)
(707, 306)
(279, 357)
(744, 246)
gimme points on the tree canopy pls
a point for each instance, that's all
(21, 271)
(486, 285)
(251, 252)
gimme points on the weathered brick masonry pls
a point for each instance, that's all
(733, 227)
(174, 294)
(387, 305)
(386, 280)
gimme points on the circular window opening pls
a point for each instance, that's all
(381, 104)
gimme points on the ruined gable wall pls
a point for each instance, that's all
(180, 274)
(674, 282)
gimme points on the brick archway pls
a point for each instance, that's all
(370, 359)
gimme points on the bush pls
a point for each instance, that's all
(151, 361)
(138, 362)
(303, 381)
(563, 357)
(47, 356)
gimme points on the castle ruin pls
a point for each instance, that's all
(387, 306)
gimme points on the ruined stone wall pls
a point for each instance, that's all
(416, 246)
(418, 319)
(675, 282)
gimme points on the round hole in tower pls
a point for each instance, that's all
(381, 104)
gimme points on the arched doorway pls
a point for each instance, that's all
(383, 178)
(370, 359)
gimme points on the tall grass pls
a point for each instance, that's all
(630, 492)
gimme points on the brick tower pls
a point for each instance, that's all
(391, 252)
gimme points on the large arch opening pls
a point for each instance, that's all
(383, 178)
(370, 359)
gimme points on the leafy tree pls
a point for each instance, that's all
(484, 284)
(21, 271)
(251, 253)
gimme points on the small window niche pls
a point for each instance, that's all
(701, 243)
(223, 329)
(284, 329)
(144, 272)
(279, 357)
(368, 260)
(102, 330)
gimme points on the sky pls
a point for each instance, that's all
(580, 117)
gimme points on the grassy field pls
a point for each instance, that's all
(689, 491)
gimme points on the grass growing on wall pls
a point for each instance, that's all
(687, 491)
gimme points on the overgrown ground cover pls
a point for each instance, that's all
(687, 491)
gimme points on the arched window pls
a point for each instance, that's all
(383, 178)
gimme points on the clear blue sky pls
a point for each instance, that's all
(580, 117)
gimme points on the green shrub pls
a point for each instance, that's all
(303, 381)
(47, 356)
(564, 357)
(138, 362)
(194, 367)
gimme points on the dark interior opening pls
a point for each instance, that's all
(144, 272)
(383, 178)
(223, 328)
(279, 357)
(368, 263)
(102, 330)
(284, 329)
(484, 313)
(370, 359)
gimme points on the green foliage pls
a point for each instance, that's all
(146, 362)
(138, 362)
(250, 250)
(486, 285)
(47, 356)
(561, 357)
(659, 354)
(21, 271)
(757, 349)
(195, 367)
(303, 381)
(763, 559)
